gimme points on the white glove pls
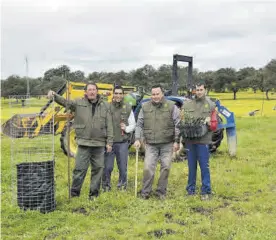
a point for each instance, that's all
(207, 120)
(50, 94)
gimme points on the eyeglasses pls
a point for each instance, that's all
(117, 93)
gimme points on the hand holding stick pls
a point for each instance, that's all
(123, 126)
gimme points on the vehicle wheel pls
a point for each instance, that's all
(64, 141)
(217, 138)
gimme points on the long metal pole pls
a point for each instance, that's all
(68, 139)
(136, 170)
(27, 77)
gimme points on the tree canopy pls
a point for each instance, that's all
(221, 80)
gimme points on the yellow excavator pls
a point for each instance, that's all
(54, 120)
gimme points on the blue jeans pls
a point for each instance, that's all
(120, 151)
(200, 153)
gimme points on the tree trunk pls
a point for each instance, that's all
(235, 93)
(266, 93)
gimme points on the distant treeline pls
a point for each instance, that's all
(221, 80)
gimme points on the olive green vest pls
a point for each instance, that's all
(158, 122)
(200, 108)
(120, 114)
(90, 127)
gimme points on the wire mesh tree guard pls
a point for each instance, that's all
(32, 152)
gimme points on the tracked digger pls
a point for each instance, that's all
(32, 125)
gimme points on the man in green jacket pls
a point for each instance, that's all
(158, 119)
(94, 134)
(123, 125)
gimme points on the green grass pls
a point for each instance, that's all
(243, 206)
(9, 107)
(247, 102)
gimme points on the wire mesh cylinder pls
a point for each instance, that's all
(35, 186)
(31, 129)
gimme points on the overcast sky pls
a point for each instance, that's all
(117, 35)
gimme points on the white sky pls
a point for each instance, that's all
(125, 35)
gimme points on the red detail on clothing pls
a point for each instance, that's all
(214, 121)
(122, 131)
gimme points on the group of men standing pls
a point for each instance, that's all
(103, 131)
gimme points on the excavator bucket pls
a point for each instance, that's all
(31, 124)
(20, 125)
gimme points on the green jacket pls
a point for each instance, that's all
(159, 125)
(95, 131)
(200, 108)
(120, 113)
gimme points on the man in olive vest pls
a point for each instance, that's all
(94, 134)
(158, 119)
(123, 125)
(201, 115)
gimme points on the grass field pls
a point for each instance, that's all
(247, 102)
(243, 205)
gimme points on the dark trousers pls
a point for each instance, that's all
(200, 153)
(120, 151)
(86, 155)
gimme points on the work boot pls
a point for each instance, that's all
(93, 197)
(205, 197)
(144, 196)
(160, 195)
(121, 187)
(190, 194)
(106, 189)
(74, 194)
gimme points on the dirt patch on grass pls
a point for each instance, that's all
(202, 210)
(270, 211)
(156, 233)
(241, 213)
(231, 198)
(180, 222)
(170, 231)
(169, 218)
(238, 211)
(224, 205)
(204, 232)
(51, 228)
(160, 233)
(80, 210)
(168, 215)
(51, 236)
